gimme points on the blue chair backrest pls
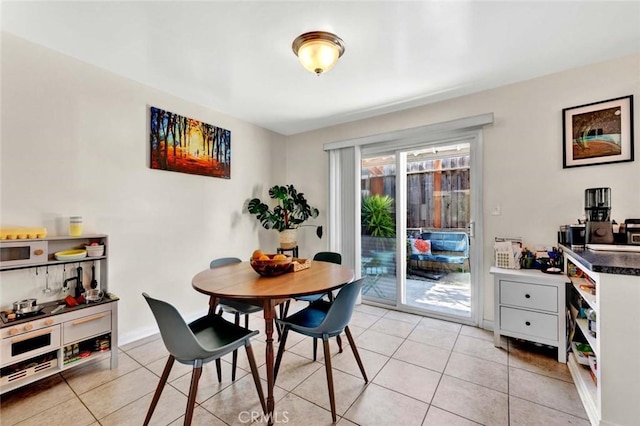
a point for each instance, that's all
(448, 241)
(223, 261)
(176, 334)
(328, 256)
(341, 309)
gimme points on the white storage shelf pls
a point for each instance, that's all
(45, 337)
(586, 296)
(614, 399)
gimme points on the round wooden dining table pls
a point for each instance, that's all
(240, 282)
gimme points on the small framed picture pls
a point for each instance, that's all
(598, 133)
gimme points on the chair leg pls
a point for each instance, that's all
(219, 370)
(161, 383)
(218, 362)
(339, 340)
(277, 327)
(327, 365)
(315, 348)
(284, 310)
(234, 363)
(352, 343)
(246, 321)
(193, 391)
(283, 342)
(256, 376)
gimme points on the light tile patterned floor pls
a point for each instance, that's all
(422, 371)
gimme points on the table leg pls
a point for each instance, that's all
(269, 314)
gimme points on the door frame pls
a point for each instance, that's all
(474, 139)
(348, 240)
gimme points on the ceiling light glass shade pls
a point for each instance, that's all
(318, 51)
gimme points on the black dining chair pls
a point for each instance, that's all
(236, 308)
(323, 256)
(201, 341)
(323, 320)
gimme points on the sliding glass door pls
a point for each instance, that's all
(378, 228)
(416, 223)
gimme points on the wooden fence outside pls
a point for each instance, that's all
(438, 191)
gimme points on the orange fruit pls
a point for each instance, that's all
(264, 257)
(279, 257)
(256, 254)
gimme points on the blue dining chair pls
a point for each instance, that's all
(323, 320)
(323, 256)
(236, 308)
(201, 341)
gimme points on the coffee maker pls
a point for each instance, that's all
(597, 208)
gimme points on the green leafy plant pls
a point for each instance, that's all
(291, 211)
(376, 216)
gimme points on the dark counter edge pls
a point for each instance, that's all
(50, 306)
(607, 262)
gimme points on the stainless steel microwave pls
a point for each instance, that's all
(23, 252)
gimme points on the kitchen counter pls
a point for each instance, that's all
(607, 262)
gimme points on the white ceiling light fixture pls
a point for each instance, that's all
(318, 51)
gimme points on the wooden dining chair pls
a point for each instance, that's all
(323, 320)
(236, 308)
(201, 341)
(323, 256)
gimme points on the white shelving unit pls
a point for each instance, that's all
(614, 400)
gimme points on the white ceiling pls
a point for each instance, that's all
(235, 57)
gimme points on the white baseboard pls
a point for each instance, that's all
(487, 324)
(138, 334)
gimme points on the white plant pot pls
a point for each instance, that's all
(288, 239)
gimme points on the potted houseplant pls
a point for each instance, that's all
(291, 211)
(377, 223)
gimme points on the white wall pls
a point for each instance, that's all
(522, 154)
(75, 142)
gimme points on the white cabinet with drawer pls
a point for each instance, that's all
(530, 305)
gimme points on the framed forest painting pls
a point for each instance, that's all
(598, 133)
(185, 145)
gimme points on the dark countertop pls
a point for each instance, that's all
(50, 306)
(607, 262)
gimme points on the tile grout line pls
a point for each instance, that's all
(77, 396)
(441, 376)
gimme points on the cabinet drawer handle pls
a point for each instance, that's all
(32, 335)
(83, 320)
(527, 323)
(527, 296)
